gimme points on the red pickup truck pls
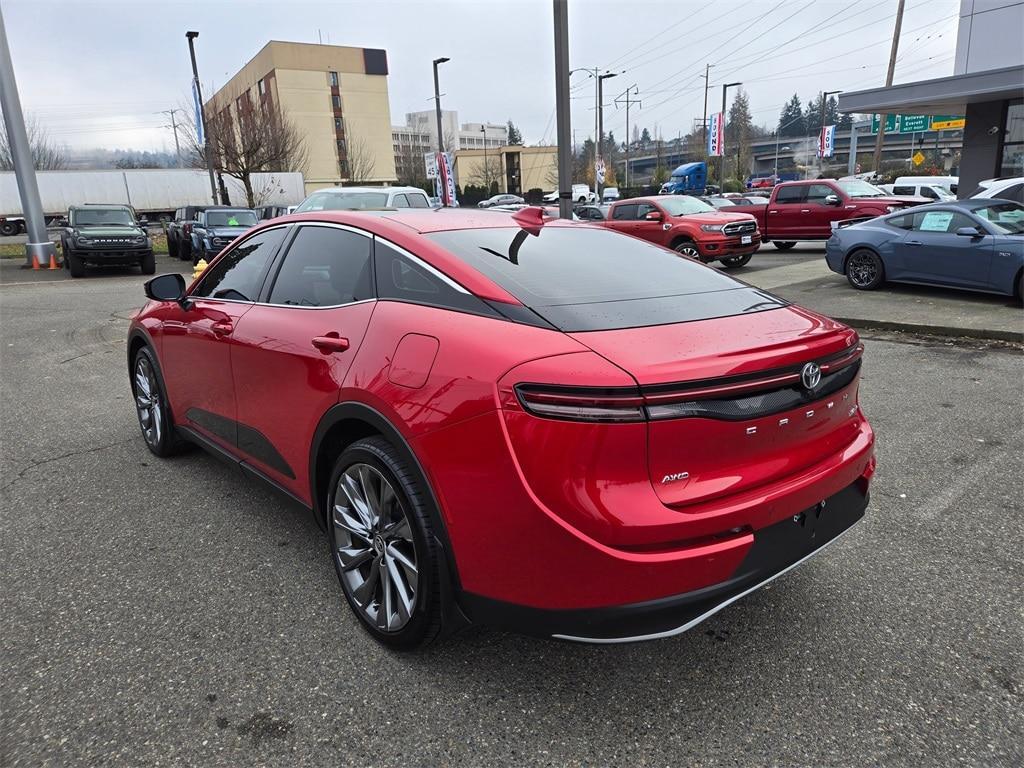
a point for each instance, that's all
(688, 225)
(805, 210)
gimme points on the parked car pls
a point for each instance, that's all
(689, 226)
(179, 231)
(716, 201)
(975, 244)
(805, 210)
(216, 228)
(917, 189)
(762, 182)
(364, 198)
(1003, 189)
(610, 194)
(750, 200)
(581, 194)
(267, 212)
(501, 200)
(105, 235)
(557, 430)
(949, 183)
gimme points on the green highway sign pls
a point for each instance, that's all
(917, 123)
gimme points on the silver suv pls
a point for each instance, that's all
(364, 199)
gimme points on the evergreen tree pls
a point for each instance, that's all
(645, 137)
(812, 116)
(737, 134)
(514, 136)
(791, 120)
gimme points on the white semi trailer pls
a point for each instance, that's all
(153, 193)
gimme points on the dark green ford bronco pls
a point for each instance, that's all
(105, 234)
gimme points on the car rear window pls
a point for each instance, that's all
(588, 279)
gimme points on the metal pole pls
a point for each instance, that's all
(704, 117)
(775, 173)
(625, 95)
(174, 128)
(880, 139)
(563, 127)
(725, 87)
(191, 36)
(600, 130)
(39, 251)
(851, 164)
(487, 171)
(437, 105)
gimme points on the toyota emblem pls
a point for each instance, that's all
(810, 375)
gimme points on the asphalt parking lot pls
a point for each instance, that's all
(171, 612)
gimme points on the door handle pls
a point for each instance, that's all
(222, 327)
(805, 210)
(914, 242)
(772, 212)
(330, 342)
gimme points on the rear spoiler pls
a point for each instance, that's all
(850, 222)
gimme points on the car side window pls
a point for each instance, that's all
(642, 209)
(624, 212)
(418, 201)
(1015, 193)
(903, 190)
(324, 267)
(816, 193)
(399, 201)
(400, 278)
(940, 221)
(240, 272)
(793, 194)
(906, 221)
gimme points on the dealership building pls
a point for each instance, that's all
(987, 87)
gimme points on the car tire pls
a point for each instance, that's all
(148, 264)
(688, 249)
(785, 245)
(172, 248)
(76, 267)
(9, 228)
(151, 405)
(383, 545)
(184, 250)
(864, 270)
(734, 262)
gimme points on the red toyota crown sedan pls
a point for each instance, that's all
(538, 425)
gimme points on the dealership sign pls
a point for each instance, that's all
(918, 123)
(827, 141)
(716, 134)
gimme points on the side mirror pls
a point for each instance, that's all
(143, 222)
(169, 287)
(832, 200)
(653, 216)
(969, 232)
(61, 222)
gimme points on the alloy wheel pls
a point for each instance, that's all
(862, 270)
(147, 401)
(689, 250)
(373, 545)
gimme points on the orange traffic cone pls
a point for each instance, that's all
(53, 260)
(35, 261)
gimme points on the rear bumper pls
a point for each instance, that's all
(776, 549)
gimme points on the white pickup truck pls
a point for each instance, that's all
(581, 193)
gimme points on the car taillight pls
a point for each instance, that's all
(186, 228)
(581, 403)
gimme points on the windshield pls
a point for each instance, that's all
(1007, 218)
(858, 188)
(343, 201)
(582, 278)
(103, 217)
(682, 205)
(721, 202)
(230, 218)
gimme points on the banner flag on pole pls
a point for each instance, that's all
(827, 141)
(444, 181)
(716, 134)
(200, 135)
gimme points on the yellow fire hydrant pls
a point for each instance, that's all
(199, 268)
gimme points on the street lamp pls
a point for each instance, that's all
(437, 104)
(821, 125)
(721, 179)
(487, 171)
(600, 129)
(191, 36)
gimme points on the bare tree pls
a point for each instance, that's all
(487, 172)
(359, 158)
(46, 155)
(251, 141)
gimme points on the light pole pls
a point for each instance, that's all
(721, 179)
(191, 36)
(821, 126)
(600, 130)
(487, 171)
(563, 129)
(437, 104)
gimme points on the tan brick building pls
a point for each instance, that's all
(337, 98)
(516, 169)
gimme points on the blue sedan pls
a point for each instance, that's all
(974, 244)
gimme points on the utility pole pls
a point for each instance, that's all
(721, 177)
(821, 127)
(198, 93)
(880, 139)
(39, 251)
(625, 96)
(487, 170)
(437, 105)
(598, 184)
(704, 116)
(563, 128)
(174, 127)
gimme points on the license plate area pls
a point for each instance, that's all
(747, 239)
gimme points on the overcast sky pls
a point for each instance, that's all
(97, 73)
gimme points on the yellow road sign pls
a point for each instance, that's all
(918, 158)
(948, 125)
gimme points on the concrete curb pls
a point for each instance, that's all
(933, 330)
